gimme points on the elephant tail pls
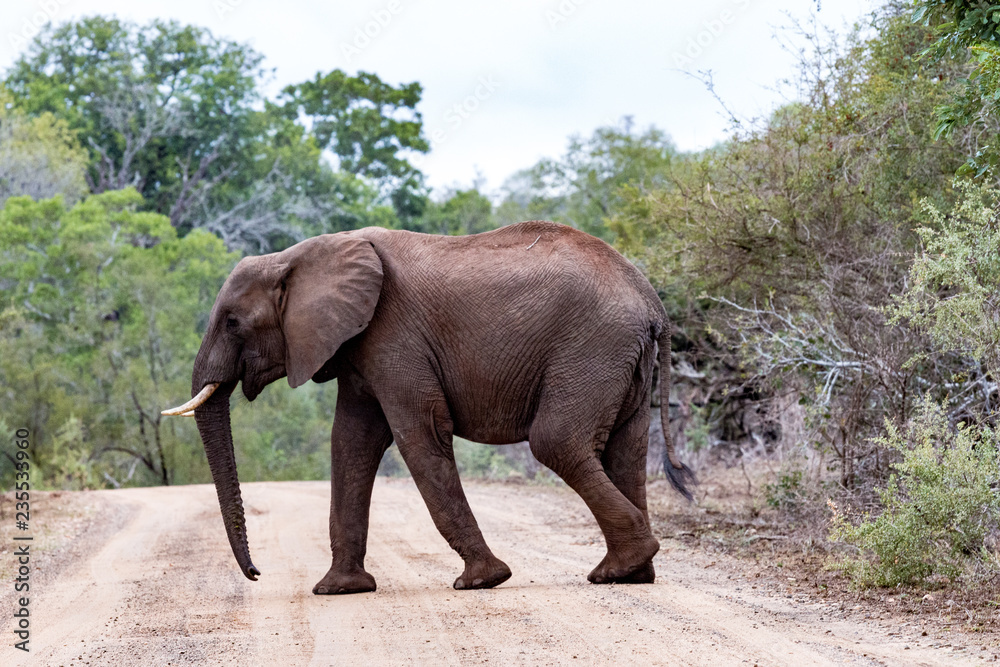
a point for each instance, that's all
(678, 473)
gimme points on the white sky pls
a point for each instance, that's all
(553, 67)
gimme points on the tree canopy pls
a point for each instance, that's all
(177, 113)
(39, 155)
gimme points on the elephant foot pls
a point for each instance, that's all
(337, 582)
(483, 574)
(644, 575)
(634, 566)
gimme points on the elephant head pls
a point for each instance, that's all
(283, 314)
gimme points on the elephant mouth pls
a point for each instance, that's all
(255, 378)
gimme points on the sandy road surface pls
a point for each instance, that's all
(164, 589)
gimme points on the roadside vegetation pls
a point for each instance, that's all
(833, 269)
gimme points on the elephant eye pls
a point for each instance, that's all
(232, 323)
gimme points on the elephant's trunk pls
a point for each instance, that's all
(217, 436)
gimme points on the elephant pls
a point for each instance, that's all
(534, 331)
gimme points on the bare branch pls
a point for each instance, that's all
(133, 112)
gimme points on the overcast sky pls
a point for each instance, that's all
(525, 74)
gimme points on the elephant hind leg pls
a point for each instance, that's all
(624, 461)
(571, 450)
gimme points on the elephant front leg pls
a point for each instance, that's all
(429, 454)
(359, 439)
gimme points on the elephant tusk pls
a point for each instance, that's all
(187, 414)
(195, 402)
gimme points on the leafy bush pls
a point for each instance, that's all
(786, 492)
(938, 506)
(968, 30)
(952, 291)
(69, 465)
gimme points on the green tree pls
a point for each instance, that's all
(461, 212)
(967, 30)
(369, 125)
(39, 157)
(99, 325)
(177, 113)
(165, 108)
(584, 188)
(102, 311)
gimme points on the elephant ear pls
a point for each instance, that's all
(331, 285)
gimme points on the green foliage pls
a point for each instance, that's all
(102, 314)
(589, 184)
(830, 181)
(285, 434)
(99, 324)
(367, 123)
(40, 156)
(188, 94)
(960, 23)
(177, 113)
(954, 287)
(777, 250)
(461, 212)
(967, 30)
(938, 506)
(941, 504)
(68, 463)
(477, 460)
(786, 493)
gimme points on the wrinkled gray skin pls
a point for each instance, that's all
(533, 332)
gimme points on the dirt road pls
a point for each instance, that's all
(163, 588)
